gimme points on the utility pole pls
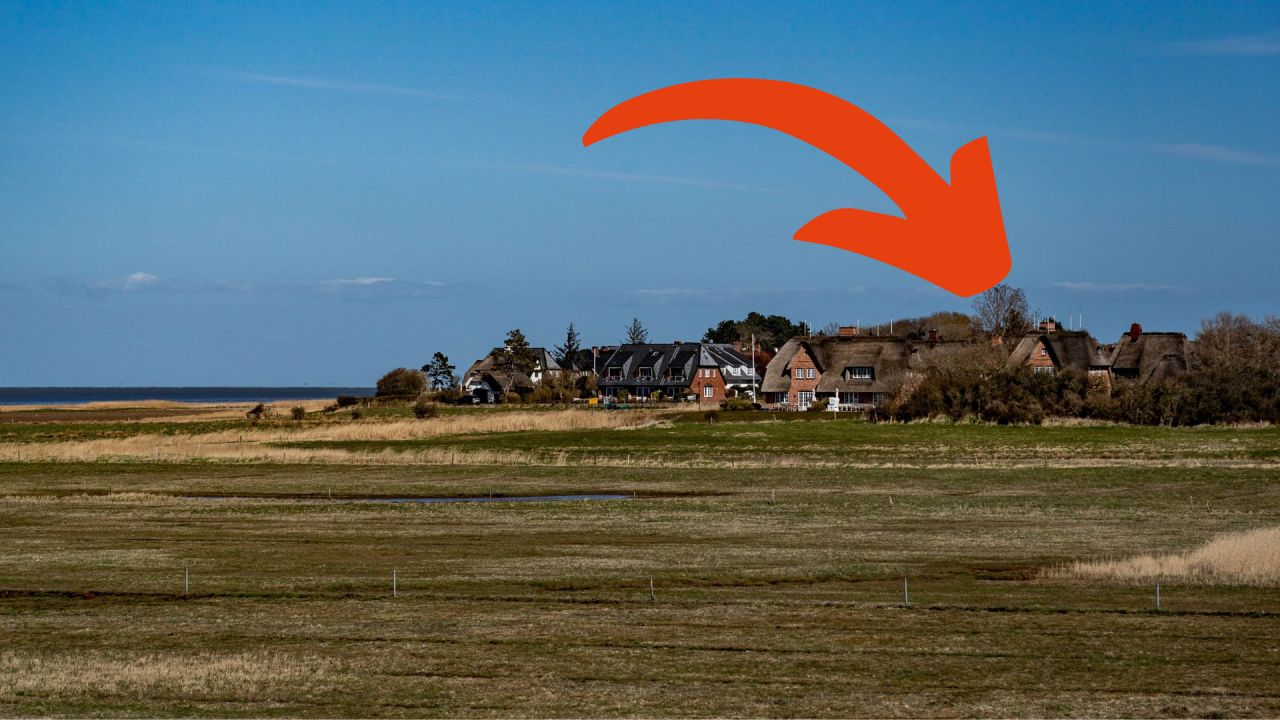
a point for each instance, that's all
(753, 367)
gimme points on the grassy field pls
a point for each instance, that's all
(777, 551)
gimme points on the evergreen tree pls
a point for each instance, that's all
(515, 357)
(440, 372)
(636, 334)
(567, 354)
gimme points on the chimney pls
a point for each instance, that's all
(1135, 331)
(676, 342)
(848, 331)
(933, 336)
(1048, 325)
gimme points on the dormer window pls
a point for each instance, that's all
(646, 373)
(677, 374)
(613, 373)
(860, 373)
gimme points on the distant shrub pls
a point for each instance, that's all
(424, 409)
(736, 404)
(512, 398)
(818, 405)
(349, 400)
(711, 416)
(448, 395)
(402, 382)
(543, 395)
(299, 412)
(356, 414)
(257, 412)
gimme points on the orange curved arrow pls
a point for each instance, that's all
(951, 235)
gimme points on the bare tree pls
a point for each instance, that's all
(1003, 311)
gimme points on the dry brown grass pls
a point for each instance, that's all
(253, 443)
(205, 676)
(1248, 558)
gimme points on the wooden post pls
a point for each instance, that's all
(393, 584)
(186, 581)
(1157, 596)
(652, 598)
(906, 599)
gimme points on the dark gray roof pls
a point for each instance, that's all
(685, 357)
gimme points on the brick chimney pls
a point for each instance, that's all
(849, 331)
(1048, 325)
(676, 342)
(933, 336)
(1135, 331)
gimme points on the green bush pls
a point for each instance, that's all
(818, 405)
(736, 404)
(299, 412)
(356, 414)
(512, 398)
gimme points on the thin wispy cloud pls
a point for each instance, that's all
(338, 85)
(722, 296)
(1266, 44)
(1119, 288)
(369, 289)
(358, 289)
(578, 172)
(1220, 154)
(1209, 152)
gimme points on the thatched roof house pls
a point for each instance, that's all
(850, 369)
(1060, 351)
(1147, 356)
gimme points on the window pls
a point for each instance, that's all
(860, 373)
(643, 392)
(804, 398)
(708, 391)
(614, 373)
(1043, 351)
(677, 375)
(799, 373)
(1046, 369)
(646, 373)
(809, 373)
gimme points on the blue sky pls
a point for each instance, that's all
(276, 194)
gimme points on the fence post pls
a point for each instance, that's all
(394, 589)
(906, 599)
(652, 598)
(1157, 596)
(186, 581)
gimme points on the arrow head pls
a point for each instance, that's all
(957, 243)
